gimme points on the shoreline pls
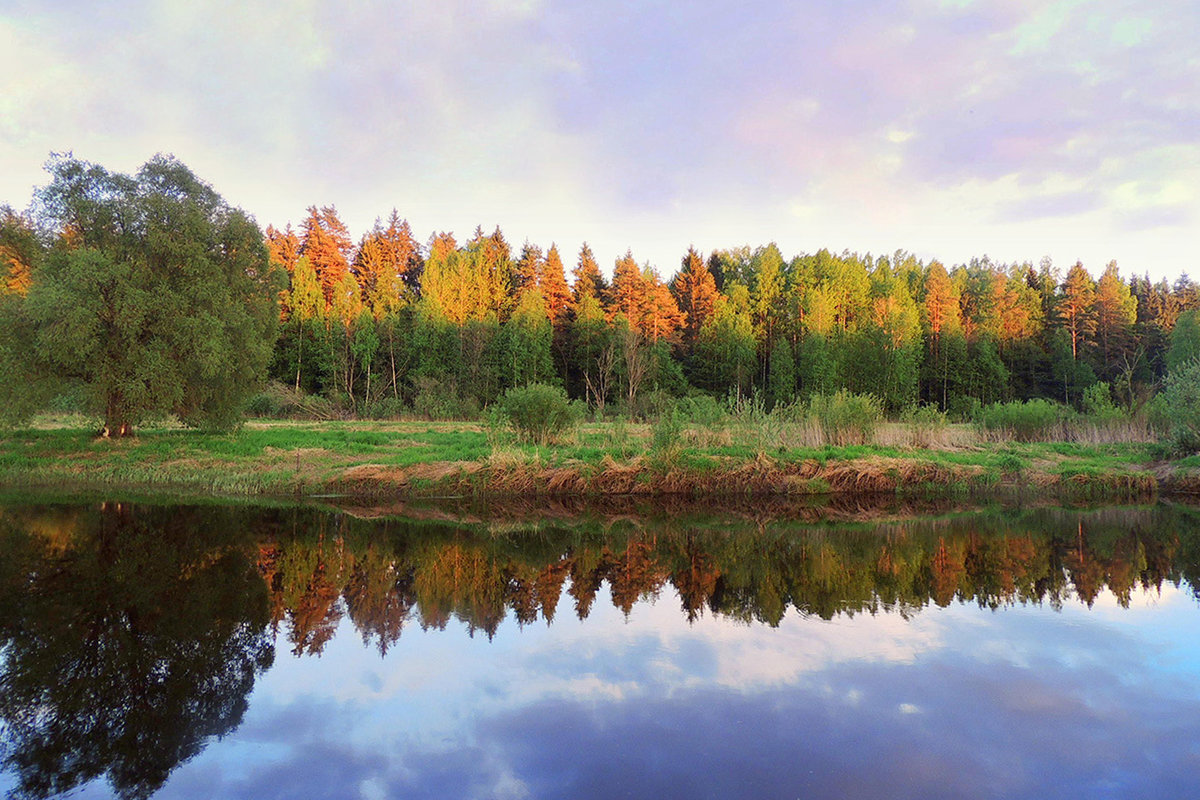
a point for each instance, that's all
(400, 461)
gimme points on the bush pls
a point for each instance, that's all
(1098, 404)
(439, 400)
(539, 413)
(846, 418)
(703, 410)
(1030, 421)
(1182, 397)
(389, 407)
(280, 401)
(926, 424)
(666, 435)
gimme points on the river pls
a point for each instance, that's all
(208, 650)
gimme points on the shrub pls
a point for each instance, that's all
(846, 418)
(666, 435)
(539, 413)
(703, 410)
(1182, 395)
(439, 400)
(281, 401)
(1098, 404)
(389, 407)
(1030, 421)
(925, 424)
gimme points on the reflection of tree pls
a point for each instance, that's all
(634, 574)
(379, 598)
(131, 635)
(755, 574)
(127, 649)
(312, 586)
(696, 582)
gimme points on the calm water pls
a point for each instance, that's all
(196, 652)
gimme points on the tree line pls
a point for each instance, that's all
(390, 321)
(149, 293)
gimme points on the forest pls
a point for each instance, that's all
(386, 326)
(389, 324)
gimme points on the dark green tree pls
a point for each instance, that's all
(156, 296)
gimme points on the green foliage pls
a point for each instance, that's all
(278, 401)
(165, 301)
(437, 399)
(1185, 341)
(702, 409)
(1182, 398)
(781, 381)
(926, 424)
(726, 355)
(846, 418)
(666, 436)
(1029, 421)
(1098, 404)
(528, 338)
(540, 413)
(1010, 462)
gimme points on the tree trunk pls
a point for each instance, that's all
(299, 354)
(116, 423)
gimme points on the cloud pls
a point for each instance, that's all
(638, 125)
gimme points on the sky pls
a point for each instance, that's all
(947, 128)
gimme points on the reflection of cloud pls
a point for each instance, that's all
(961, 701)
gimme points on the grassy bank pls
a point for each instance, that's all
(385, 460)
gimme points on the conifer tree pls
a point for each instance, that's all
(553, 283)
(1077, 308)
(527, 269)
(696, 292)
(661, 318)
(283, 247)
(628, 290)
(1116, 313)
(326, 241)
(588, 281)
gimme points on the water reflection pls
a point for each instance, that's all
(133, 636)
(129, 638)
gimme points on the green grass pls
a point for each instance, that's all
(282, 458)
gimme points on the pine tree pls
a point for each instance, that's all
(588, 282)
(527, 269)
(283, 247)
(628, 290)
(1077, 308)
(553, 283)
(696, 292)
(326, 242)
(660, 318)
(944, 324)
(1116, 313)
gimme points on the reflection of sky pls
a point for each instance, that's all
(957, 702)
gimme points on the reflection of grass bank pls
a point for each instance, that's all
(382, 459)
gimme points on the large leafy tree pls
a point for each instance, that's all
(156, 297)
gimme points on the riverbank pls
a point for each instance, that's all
(380, 461)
